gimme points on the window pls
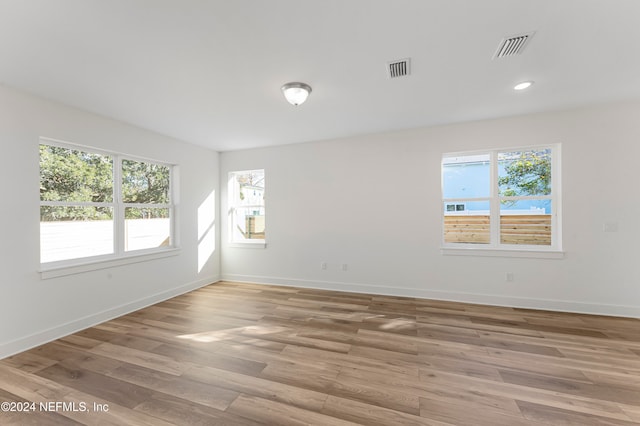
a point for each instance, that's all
(99, 205)
(504, 199)
(246, 207)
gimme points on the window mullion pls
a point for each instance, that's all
(75, 204)
(147, 205)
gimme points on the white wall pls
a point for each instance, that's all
(33, 310)
(354, 192)
(344, 201)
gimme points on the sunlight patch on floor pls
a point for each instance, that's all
(221, 335)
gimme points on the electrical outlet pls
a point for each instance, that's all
(509, 277)
(344, 267)
(323, 266)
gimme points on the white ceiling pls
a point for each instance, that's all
(209, 71)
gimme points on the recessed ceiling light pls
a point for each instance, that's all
(523, 85)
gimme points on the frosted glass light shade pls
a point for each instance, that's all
(522, 86)
(296, 93)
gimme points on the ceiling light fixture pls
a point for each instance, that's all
(523, 85)
(296, 93)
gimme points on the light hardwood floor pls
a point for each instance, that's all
(240, 354)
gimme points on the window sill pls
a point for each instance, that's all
(491, 252)
(58, 270)
(259, 244)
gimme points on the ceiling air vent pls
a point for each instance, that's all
(514, 45)
(399, 68)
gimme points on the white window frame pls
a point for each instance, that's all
(119, 256)
(495, 247)
(233, 198)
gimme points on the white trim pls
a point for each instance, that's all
(75, 204)
(146, 206)
(93, 150)
(494, 202)
(119, 236)
(36, 339)
(462, 200)
(258, 244)
(485, 299)
(63, 268)
(493, 252)
(556, 190)
(70, 145)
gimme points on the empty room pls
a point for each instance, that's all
(362, 212)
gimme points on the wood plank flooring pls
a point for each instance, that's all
(242, 354)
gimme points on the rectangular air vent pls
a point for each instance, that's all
(399, 68)
(514, 45)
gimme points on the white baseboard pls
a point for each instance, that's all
(484, 299)
(56, 332)
(24, 343)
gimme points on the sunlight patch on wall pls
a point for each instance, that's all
(206, 230)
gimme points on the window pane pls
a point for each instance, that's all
(467, 222)
(75, 232)
(73, 175)
(251, 186)
(146, 228)
(247, 213)
(250, 223)
(526, 222)
(145, 182)
(522, 173)
(466, 176)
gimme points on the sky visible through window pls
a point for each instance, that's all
(468, 177)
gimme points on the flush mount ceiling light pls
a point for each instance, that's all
(296, 93)
(523, 85)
